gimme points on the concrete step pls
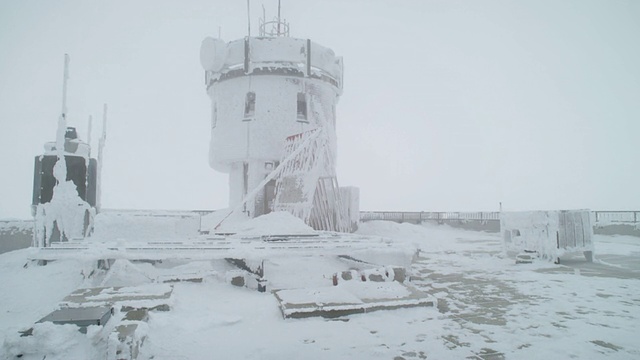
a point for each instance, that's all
(350, 298)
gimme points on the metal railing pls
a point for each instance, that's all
(600, 217)
(428, 215)
(616, 216)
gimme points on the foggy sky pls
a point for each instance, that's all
(447, 105)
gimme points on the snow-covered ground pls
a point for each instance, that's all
(488, 307)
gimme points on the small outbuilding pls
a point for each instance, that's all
(547, 234)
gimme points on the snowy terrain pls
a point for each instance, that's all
(488, 307)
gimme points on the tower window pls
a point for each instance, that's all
(302, 107)
(250, 104)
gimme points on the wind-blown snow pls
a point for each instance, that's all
(275, 223)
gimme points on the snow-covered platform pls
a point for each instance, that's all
(350, 298)
(210, 248)
(487, 306)
(247, 244)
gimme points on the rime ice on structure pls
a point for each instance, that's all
(65, 187)
(549, 234)
(273, 106)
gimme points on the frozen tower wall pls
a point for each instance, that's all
(264, 90)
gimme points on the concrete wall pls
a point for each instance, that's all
(15, 235)
(617, 229)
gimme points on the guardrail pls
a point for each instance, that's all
(428, 215)
(616, 216)
(600, 217)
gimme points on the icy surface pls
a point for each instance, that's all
(488, 307)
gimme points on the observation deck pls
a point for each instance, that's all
(272, 56)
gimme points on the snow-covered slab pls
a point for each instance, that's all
(150, 294)
(350, 298)
(82, 317)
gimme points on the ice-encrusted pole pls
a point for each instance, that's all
(65, 78)
(45, 214)
(89, 130)
(249, 18)
(60, 168)
(49, 216)
(101, 142)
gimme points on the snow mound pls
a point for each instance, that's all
(224, 219)
(275, 223)
(56, 342)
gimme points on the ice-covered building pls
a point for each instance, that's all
(273, 116)
(66, 186)
(60, 212)
(548, 234)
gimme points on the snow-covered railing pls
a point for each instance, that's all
(155, 212)
(276, 55)
(215, 248)
(402, 216)
(612, 217)
(599, 217)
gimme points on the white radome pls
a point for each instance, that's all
(212, 53)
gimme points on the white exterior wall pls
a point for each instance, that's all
(235, 138)
(282, 72)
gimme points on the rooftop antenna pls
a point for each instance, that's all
(60, 167)
(249, 17)
(276, 27)
(65, 78)
(89, 130)
(101, 142)
(278, 17)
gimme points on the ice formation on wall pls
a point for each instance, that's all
(64, 194)
(63, 217)
(273, 101)
(548, 233)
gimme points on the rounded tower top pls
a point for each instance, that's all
(279, 55)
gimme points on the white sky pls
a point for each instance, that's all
(447, 105)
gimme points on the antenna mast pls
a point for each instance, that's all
(249, 18)
(65, 78)
(89, 130)
(278, 17)
(101, 142)
(273, 28)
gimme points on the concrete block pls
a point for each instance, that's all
(399, 274)
(346, 275)
(238, 281)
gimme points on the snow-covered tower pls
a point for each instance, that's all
(66, 182)
(265, 90)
